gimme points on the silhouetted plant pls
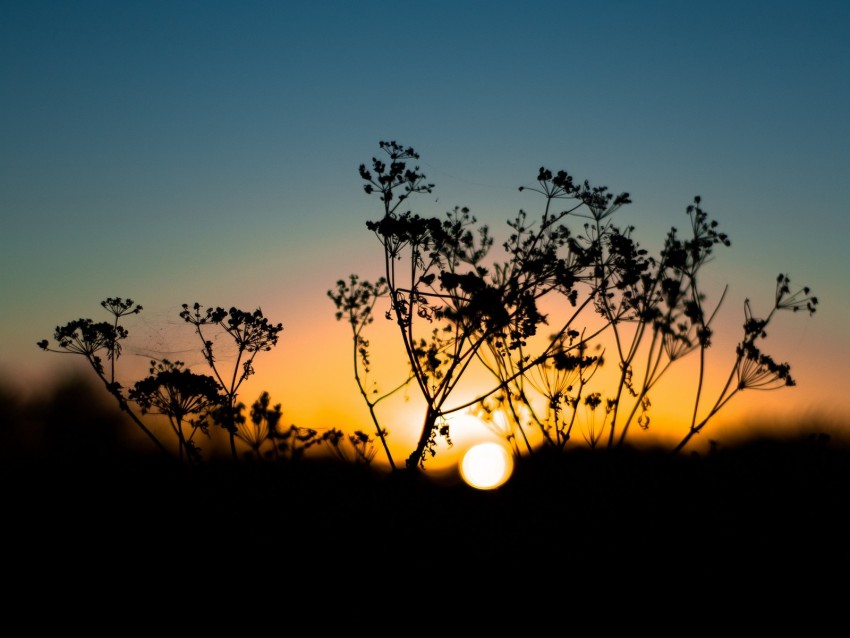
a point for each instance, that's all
(355, 301)
(444, 284)
(562, 380)
(188, 400)
(89, 339)
(179, 394)
(547, 258)
(294, 441)
(657, 299)
(267, 439)
(252, 333)
(452, 309)
(361, 444)
(262, 429)
(752, 369)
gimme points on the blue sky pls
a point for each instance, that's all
(175, 152)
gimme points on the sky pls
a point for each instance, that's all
(179, 152)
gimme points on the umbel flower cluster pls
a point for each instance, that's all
(457, 307)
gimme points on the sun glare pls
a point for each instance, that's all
(486, 466)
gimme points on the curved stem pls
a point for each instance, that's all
(124, 406)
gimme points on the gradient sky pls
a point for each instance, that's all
(175, 152)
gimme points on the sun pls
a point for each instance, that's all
(486, 466)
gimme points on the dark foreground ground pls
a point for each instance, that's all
(762, 503)
(751, 537)
(763, 525)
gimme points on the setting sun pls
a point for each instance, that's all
(486, 466)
